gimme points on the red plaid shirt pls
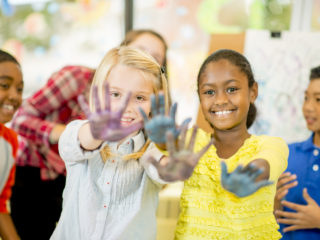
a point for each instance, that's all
(55, 103)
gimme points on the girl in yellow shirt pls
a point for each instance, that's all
(231, 189)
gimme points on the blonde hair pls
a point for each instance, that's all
(136, 59)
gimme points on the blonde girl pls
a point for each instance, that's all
(109, 193)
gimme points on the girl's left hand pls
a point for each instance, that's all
(104, 124)
(181, 160)
(242, 181)
(305, 217)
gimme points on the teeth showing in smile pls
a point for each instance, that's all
(221, 113)
(127, 120)
(8, 107)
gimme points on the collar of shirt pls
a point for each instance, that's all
(131, 144)
(308, 144)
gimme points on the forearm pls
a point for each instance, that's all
(32, 127)
(87, 141)
(263, 164)
(7, 229)
(56, 133)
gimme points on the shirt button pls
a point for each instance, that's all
(315, 152)
(113, 161)
(315, 167)
(105, 206)
(108, 183)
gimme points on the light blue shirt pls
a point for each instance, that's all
(113, 200)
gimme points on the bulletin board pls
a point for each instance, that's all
(281, 64)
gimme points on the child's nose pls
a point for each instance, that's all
(14, 94)
(308, 105)
(221, 98)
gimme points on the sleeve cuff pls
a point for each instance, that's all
(69, 144)
(149, 168)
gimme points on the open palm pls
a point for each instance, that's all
(181, 160)
(242, 181)
(105, 124)
(157, 127)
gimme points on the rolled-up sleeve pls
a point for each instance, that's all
(151, 171)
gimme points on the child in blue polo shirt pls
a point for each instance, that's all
(299, 213)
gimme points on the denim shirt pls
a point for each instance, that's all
(304, 161)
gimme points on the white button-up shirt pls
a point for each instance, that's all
(117, 199)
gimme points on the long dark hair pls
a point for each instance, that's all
(243, 64)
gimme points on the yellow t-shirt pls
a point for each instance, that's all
(210, 212)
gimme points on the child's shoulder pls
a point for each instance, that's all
(7, 133)
(201, 137)
(201, 133)
(273, 142)
(9, 136)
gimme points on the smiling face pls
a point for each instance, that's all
(11, 87)
(151, 45)
(225, 95)
(122, 80)
(311, 105)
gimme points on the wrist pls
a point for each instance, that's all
(56, 133)
(87, 141)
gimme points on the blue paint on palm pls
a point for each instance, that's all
(242, 181)
(157, 127)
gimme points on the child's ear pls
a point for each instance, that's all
(254, 92)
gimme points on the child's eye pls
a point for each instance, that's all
(231, 89)
(115, 94)
(140, 98)
(20, 89)
(318, 99)
(209, 92)
(4, 85)
(305, 98)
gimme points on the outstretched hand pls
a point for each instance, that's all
(105, 124)
(157, 127)
(241, 181)
(181, 160)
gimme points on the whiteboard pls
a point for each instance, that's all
(281, 67)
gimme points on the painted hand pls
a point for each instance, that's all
(241, 181)
(105, 124)
(157, 127)
(285, 182)
(181, 160)
(304, 217)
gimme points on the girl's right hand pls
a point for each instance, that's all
(285, 182)
(157, 127)
(104, 124)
